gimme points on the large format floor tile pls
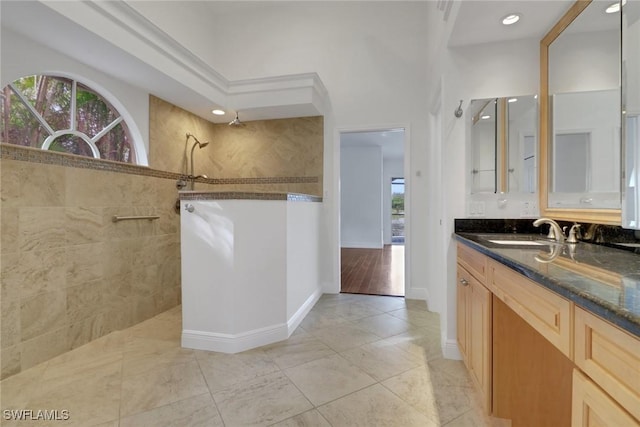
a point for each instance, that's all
(355, 360)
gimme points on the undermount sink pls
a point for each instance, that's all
(518, 242)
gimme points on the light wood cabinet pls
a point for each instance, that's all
(548, 313)
(474, 328)
(610, 357)
(473, 261)
(592, 407)
(538, 359)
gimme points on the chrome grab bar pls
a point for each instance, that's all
(117, 218)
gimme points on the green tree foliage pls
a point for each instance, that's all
(51, 98)
(397, 202)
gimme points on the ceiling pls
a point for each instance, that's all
(476, 21)
(391, 141)
(480, 21)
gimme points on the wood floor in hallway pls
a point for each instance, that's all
(373, 271)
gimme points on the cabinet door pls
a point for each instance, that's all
(592, 407)
(611, 357)
(480, 336)
(462, 312)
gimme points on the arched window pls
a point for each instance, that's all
(60, 114)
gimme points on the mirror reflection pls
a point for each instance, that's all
(503, 144)
(631, 113)
(584, 92)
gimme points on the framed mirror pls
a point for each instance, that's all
(580, 132)
(631, 114)
(503, 144)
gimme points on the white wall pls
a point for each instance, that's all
(371, 57)
(24, 57)
(361, 197)
(391, 168)
(469, 72)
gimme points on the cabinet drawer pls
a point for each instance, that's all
(473, 261)
(611, 357)
(546, 312)
(592, 407)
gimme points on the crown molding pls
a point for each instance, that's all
(260, 98)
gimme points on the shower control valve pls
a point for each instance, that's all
(189, 207)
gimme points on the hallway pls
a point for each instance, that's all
(373, 271)
(355, 360)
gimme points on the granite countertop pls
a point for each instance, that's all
(603, 280)
(246, 195)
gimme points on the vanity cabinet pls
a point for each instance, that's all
(546, 312)
(537, 358)
(610, 357)
(592, 407)
(474, 330)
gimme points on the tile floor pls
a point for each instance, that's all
(356, 360)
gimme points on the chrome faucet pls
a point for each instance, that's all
(555, 232)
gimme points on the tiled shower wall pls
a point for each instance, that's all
(69, 274)
(284, 155)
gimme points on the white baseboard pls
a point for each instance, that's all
(450, 349)
(302, 312)
(363, 245)
(234, 343)
(417, 293)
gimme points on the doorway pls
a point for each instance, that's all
(397, 211)
(372, 212)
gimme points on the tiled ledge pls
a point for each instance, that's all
(244, 195)
(35, 155)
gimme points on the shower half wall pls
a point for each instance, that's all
(250, 267)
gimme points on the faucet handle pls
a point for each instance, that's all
(574, 233)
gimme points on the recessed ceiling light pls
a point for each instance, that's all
(485, 117)
(615, 7)
(512, 100)
(511, 19)
(218, 112)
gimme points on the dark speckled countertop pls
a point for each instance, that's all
(614, 296)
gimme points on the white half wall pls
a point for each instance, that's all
(361, 197)
(250, 271)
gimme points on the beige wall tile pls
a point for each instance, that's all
(10, 323)
(86, 330)
(264, 148)
(8, 229)
(88, 187)
(41, 228)
(116, 258)
(11, 173)
(44, 347)
(10, 276)
(84, 301)
(42, 271)
(42, 313)
(84, 225)
(42, 185)
(10, 360)
(84, 263)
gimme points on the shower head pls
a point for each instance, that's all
(236, 122)
(198, 143)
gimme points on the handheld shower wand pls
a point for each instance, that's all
(201, 145)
